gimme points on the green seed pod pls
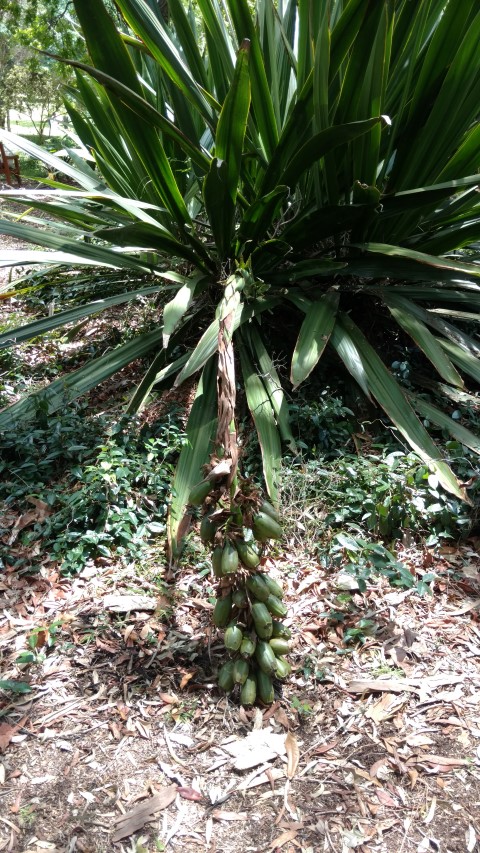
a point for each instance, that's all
(199, 493)
(280, 630)
(279, 646)
(265, 527)
(217, 561)
(237, 516)
(248, 692)
(283, 668)
(229, 559)
(273, 586)
(225, 676)
(247, 553)
(265, 658)
(275, 606)
(240, 671)
(247, 648)
(239, 598)
(233, 638)
(270, 510)
(222, 611)
(262, 620)
(265, 687)
(257, 586)
(207, 530)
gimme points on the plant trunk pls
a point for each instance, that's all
(226, 439)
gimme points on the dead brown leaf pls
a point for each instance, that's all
(385, 798)
(385, 708)
(281, 718)
(325, 747)
(190, 794)
(168, 699)
(186, 678)
(284, 838)
(375, 685)
(293, 754)
(135, 819)
(219, 814)
(6, 734)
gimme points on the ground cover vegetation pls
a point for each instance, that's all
(328, 190)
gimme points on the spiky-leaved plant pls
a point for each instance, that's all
(317, 158)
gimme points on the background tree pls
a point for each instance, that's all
(37, 91)
(30, 82)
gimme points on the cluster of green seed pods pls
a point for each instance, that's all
(249, 606)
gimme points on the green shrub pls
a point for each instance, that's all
(107, 496)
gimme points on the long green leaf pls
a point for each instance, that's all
(349, 353)
(71, 315)
(155, 238)
(232, 122)
(110, 54)
(393, 401)
(459, 432)
(272, 382)
(467, 362)
(200, 434)
(264, 418)
(157, 374)
(314, 335)
(261, 96)
(208, 343)
(318, 146)
(15, 141)
(219, 206)
(221, 183)
(148, 26)
(178, 306)
(76, 250)
(62, 391)
(404, 312)
(140, 107)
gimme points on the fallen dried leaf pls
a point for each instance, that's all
(443, 760)
(380, 684)
(6, 734)
(284, 838)
(126, 603)
(471, 839)
(259, 746)
(218, 814)
(385, 798)
(418, 740)
(270, 776)
(190, 794)
(431, 812)
(281, 718)
(385, 708)
(135, 819)
(293, 755)
(325, 747)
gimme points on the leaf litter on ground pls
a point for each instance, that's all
(371, 743)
